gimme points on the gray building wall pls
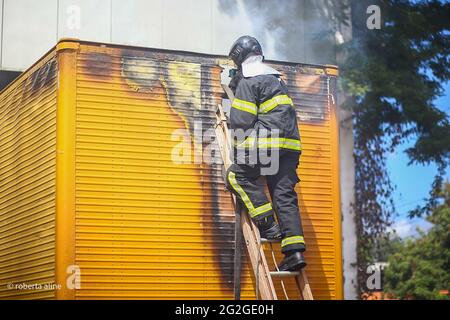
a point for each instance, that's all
(347, 176)
(31, 27)
(292, 30)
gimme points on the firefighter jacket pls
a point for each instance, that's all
(263, 110)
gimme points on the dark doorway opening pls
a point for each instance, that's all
(6, 77)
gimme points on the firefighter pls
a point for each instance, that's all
(264, 115)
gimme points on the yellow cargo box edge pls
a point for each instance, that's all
(65, 169)
(337, 200)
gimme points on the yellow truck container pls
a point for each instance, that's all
(94, 202)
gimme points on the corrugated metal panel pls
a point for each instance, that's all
(147, 227)
(27, 183)
(314, 96)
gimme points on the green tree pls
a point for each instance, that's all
(393, 76)
(420, 267)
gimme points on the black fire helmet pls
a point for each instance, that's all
(244, 47)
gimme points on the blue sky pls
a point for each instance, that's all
(413, 182)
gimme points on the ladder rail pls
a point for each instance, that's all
(301, 278)
(237, 251)
(258, 260)
(303, 284)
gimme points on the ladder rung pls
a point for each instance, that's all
(284, 273)
(263, 240)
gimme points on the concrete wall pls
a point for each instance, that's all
(131, 26)
(349, 238)
(31, 27)
(29, 30)
(347, 162)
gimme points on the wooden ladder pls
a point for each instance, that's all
(244, 225)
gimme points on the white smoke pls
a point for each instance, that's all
(292, 30)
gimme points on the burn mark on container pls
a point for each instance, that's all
(180, 80)
(96, 64)
(141, 75)
(192, 86)
(225, 229)
(191, 89)
(305, 85)
(34, 85)
(42, 77)
(183, 83)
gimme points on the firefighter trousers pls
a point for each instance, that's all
(242, 181)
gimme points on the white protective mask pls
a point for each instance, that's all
(254, 66)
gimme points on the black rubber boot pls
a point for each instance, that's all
(293, 262)
(269, 229)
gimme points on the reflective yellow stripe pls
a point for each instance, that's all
(292, 240)
(292, 145)
(260, 210)
(245, 106)
(240, 191)
(267, 143)
(279, 143)
(271, 104)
